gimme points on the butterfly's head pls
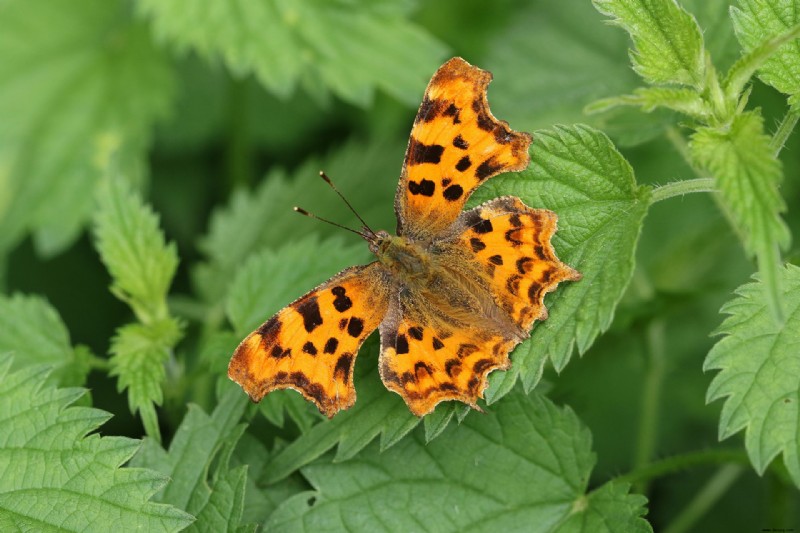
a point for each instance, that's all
(379, 241)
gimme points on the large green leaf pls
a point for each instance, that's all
(33, 331)
(576, 172)
(319, 43)
(525, 463)
(56, 478)
(77, 80)
(197, 463)
(759, 364)
(668, 43)
(756, 21)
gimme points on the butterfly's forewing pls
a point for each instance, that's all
(455, 145)
(311, 344)
(512, 242)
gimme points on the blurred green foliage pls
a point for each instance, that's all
(150, 155)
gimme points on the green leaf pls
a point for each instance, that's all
(139, 353)
(51, 469)
(133, 249)
(668, 43)
(76, 79)
(539, 84)
(197, 464)
(576, 172)
(682, 100)
(257, 219)
(748, 176)
(34, 332)
(315, 42)
(757, 21)
(759, 362)
(526, 462)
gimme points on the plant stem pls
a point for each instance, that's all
(712, 491)
(651, 399)
(677, 463)
(679, 188)
(784, 130)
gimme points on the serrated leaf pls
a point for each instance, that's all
(316, 42)
(139, 353)
(528, 462)
(33, 331)
(197, 463)
(75, 79)
(668, 43)
(748, 176)
(577, 172)
(756, 21)
(682, 100)
(543, 84)
(50, 468)
(134, 250)
(759, 362)
(257, 219)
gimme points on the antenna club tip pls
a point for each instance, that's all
(299, 210)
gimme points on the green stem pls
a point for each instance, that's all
(679, 188)
(677, 463)
(712, 491)
(784, 130)
(651, 399)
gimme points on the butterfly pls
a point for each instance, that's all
(452, 293)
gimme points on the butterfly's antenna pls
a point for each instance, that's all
(312, 215)
(329, 182)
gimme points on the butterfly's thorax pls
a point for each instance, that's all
(408, 262)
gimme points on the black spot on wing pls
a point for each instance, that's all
(269, 331)
(476, 244)
(453, 111)
(419, 153)
(437, 344)
(481, 365)
(355, 327)
(279, 353)
(459, 142)
(331, 345)
(484, 226)
(453, 193)
(488, 168)
(309, 348)
(421, 365)
(496, 259)
(309, 310)
(342, 369)
(428, 110)
(424, 187)
(452, 366)
(415, 332)
(463, 164)
(524, 264)
(401, 344)
(342, 302)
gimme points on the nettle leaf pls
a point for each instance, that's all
(525, 462)
(668, 43)
(55, 477)
(133, 248)
(542, 84)
(315, 42)
(576, 172)
(34, 332)
(748, 176)
(756, 21)
(142, 266)
(69, 93)
(257, 219)
(759, 363)
(197, 463)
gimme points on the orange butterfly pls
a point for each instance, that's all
(453, 293)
